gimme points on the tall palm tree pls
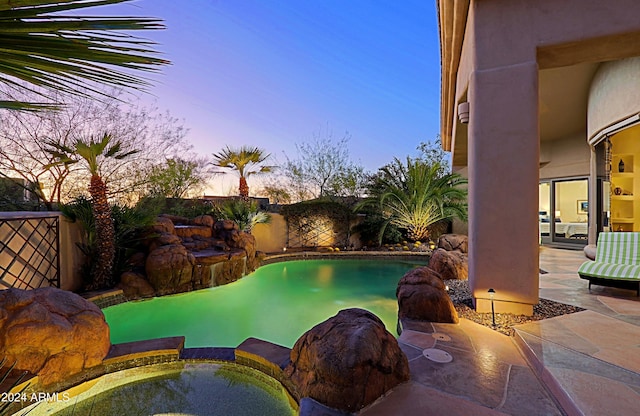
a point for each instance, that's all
(246, 161)
(416, 195)
(92, 153)
(44, 47)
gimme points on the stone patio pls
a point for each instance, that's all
(586, 363)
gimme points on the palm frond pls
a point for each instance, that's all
(414, 195)
(42, 46)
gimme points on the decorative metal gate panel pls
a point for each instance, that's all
(29, 252)
(316, 232)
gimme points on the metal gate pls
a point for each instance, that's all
(29, 252)
(317, 232)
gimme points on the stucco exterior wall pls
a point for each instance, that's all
(506, 44)
(272, 237)
(614, 94)
(71, 258)
(564, 158)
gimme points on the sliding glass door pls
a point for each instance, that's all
(563, 211)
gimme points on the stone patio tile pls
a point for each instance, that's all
(459, 338)
(479, 378)
(486, 339)
(556, 329)
(596, 395)
(417, 339)
(620, 306)
(415, 399)
(411, 352)
(526, 396)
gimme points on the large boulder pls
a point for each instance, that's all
(347, 361)
(421, 276)
(51, 332)
(231, 270)
(450, 264)
(170, 269)
(135, 286)
(224, 225)
(228, 231)
(163, 225)
(247, 242)
(163, 239)
(205, 220)
(191, 231)
(422, 296)
(454, 242)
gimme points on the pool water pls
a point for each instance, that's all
(276, 303)
(177, 388)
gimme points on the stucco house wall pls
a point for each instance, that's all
(492, 53)
(614, 94)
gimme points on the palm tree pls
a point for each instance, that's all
(44, 47)
(416, 195)
(92, 153)
(242, 160)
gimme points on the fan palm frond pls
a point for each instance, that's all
(44, 47)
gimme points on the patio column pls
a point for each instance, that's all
(503, 187)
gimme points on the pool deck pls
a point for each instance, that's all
(586, 363)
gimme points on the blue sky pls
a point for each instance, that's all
(270, 73)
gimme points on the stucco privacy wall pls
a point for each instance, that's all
(70, 255)
(614, 94)
(506, 43)
(271, 237)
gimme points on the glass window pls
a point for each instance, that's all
(544, 209)
(571, 210)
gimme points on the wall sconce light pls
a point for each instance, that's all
(463, 112)
(284, 249)
(493, 311)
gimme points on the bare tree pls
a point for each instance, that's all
(156, 135)
(323, 168)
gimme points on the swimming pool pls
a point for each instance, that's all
(276, 303)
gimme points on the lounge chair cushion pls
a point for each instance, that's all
(617, 257)
(610, 270)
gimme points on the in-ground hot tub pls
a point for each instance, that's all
(179, 388)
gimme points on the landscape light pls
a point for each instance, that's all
(493, 312)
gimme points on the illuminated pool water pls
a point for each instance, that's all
(176, 388)
(276, 303)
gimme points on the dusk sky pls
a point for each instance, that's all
(271, 73)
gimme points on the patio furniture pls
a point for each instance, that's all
(617, 262)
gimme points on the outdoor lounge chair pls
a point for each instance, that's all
(617, 262)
